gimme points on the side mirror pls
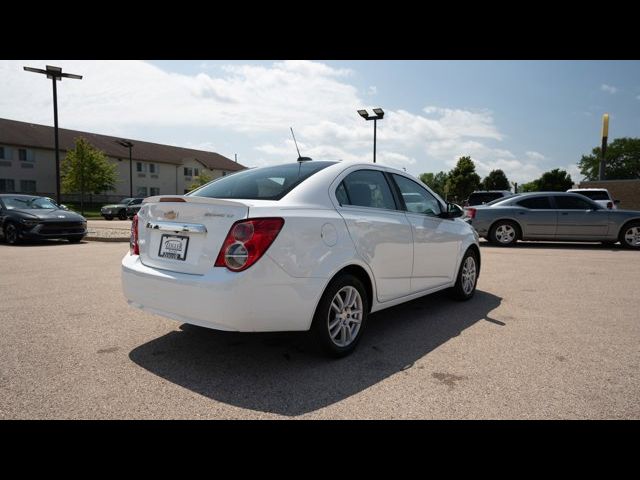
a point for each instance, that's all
(64, 207)
(453, 211)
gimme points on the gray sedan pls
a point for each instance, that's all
(554, 216)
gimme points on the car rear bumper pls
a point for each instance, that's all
(263, 298)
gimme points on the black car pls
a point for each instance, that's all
(30, 217)
(133, 208)
(119, 209)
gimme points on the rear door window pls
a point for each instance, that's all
(573, 203)
(416, 198)
(366, 188)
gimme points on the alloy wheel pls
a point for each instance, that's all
(345, 316)
(632, 236)
(468, 275)
(505, 233)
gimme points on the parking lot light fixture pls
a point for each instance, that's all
(128, 144)
(379, 114)
(56, 75)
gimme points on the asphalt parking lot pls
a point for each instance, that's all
(552, 332)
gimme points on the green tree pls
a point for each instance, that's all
(200, 180)
(435, 182)
(86, 169)
(556, 180)
(622, 160)
(463, 179)
(496, 180)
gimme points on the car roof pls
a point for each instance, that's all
(19, 195)
(589, 189)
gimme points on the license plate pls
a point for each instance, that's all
(173, 247)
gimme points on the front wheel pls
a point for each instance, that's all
(630, 235)
(467, 278)
(11, 234)
(122, 215)
(504, 233)
(108, 217)
(341, 316)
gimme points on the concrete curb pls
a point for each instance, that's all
(106, 239)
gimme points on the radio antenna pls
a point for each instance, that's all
(300, 157)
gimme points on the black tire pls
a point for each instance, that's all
(500, 233)
(631, 228)
(108, 217)
(122, 215)
(320, 328)
(10, 232)
(461, 290)
(75, 239)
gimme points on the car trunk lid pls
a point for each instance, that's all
(184, 234)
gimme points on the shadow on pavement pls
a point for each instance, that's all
(284, 374)
(41, 243)
(559, 245)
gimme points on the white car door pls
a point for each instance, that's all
(379, 229)
(436, 241)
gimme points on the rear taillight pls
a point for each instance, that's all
(471, 213)
(609, 205)
(247, 241)
(134, 249)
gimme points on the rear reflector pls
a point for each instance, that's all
(134, 248)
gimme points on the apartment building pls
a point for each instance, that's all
(27, 162)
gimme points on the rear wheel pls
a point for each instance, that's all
(341, 316)
(467, 280)
(11, 234)
(504, 233)
(630, 235)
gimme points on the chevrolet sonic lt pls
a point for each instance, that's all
(311, 245)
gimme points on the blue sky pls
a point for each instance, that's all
(525, 117)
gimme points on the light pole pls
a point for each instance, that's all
(605, 135)
(129, 145)
(379, 113)
(55, 74)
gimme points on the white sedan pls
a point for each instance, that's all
(309, 245)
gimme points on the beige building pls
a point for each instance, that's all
(27, 162)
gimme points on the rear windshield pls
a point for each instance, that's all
(594, 194)
(268, 183)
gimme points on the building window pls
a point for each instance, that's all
(140, 167)
(224, 174)
(153, 191)
(196, 172)
(142, 191)
(2, 153)
(152, 168)
(28, 186)
(188, 172)
(7, 185)
(22, 154)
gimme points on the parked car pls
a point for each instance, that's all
(133, 208)
(598, 195)
(31, 217)
(481, 197)
(119, 209)
(554, 216)
(305, 246)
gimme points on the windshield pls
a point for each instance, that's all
(124, 201)
(28, 203)
(268, 183)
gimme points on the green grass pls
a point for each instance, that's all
(90, 211)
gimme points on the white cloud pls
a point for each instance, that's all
(260, 102)
(536, 156)
(608, 88)
(372, 90)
